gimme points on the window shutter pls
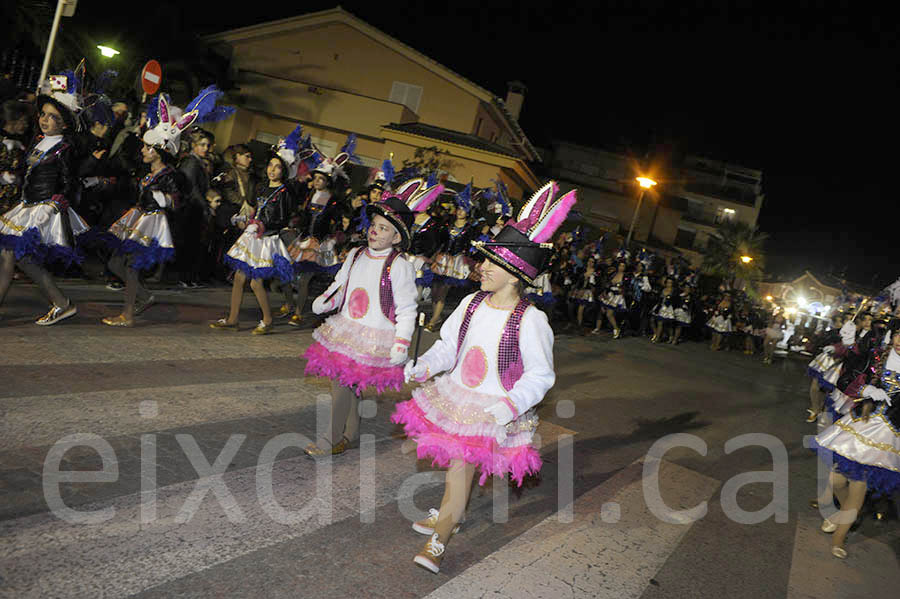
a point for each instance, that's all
(407, 94)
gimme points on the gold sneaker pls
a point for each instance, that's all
(431, 555)
(296, 321)
(262, 329)
(283, 311)
(56, 314)
(222, 324)
(426, 526)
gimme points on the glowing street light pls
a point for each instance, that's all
(645, 183)
(770, 298)
(107, 51)
(746, 259)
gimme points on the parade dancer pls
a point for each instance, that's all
(683, 311)
(497, 351)
(665, 312)
(864, 445)
(720, 324)
(583, 294)
(42, 227)
(141, 238)
(613, 299)
(850, 359)
(259, 253)
(319, 209)
(426, 237)
(365, 344)
(452, 266)
(825, 369)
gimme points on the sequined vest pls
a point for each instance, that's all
(385, 288)
(509, 358)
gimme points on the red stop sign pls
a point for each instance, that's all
(151, 77)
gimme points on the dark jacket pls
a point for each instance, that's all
(426, 239)
(275, 207)
(168, 181)
(52, 176)
(197, 179)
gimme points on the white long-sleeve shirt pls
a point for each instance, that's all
(362, 302)
(477, 360)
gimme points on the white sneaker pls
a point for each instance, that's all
(426, 526)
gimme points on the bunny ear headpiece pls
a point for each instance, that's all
(523, 247)
(401, 206)
(63, 91)
(169, 122)
(331, 167)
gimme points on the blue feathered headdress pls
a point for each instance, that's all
(387, 167)
(153, 112)
(463, 199)
(349, 148)
(205, 105)
(292, 141)
(432, 179)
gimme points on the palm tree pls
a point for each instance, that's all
(725, 252)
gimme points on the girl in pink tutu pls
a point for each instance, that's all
(497, 352)
(366, 343)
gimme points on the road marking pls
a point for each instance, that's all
(589, 557)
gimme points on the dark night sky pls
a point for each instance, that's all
(806, 95)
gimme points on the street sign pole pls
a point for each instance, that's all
(64, 8)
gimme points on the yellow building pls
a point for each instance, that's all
(338, 75)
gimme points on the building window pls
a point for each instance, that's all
(725, 215)
(407, 94)
(685, 238)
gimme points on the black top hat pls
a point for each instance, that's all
(522, 248)
(398, 213)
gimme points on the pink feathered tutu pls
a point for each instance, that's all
(353, 355)
(448, 422)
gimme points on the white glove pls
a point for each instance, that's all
(160, 198)
(419, 372)
(89, 182)
(251, 228)
(238, 218)
(876, 394)
(501, 413)
(8, 178)
(399, 354)
(828, 349)
(320, 306)
(848, 333)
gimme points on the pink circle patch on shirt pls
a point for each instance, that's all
(474, 367)
(358, 304)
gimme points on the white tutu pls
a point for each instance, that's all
(872, 442)
(720, 324)
(260, 257)
(613, 301)
(48, 242)
(143, 228)
(682, 316)
(452, 267)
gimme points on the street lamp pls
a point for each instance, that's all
(107, 51)
(746, 259)
(645, 183)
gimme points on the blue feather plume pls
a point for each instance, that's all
(464, 198)
(292, 141)
(387, 167)
(71, 81)
(153, 112)
(432, 179)
(205, 105)
(350, 148)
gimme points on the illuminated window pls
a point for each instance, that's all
(725, 214)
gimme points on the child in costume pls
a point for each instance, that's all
(496, 350)
(365, 344)
(864, 445)
(259, 253)
(142, 237)
(42, 227)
